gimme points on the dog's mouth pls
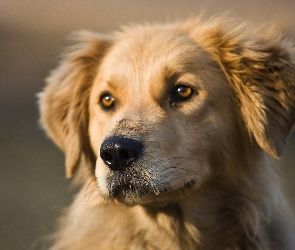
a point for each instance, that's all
(131, 177)
(138, 191)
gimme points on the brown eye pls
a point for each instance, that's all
(107, 101)
(181, 93)
(184, 92)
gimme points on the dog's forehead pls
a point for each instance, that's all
(142, 57)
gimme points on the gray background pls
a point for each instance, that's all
(33, 189)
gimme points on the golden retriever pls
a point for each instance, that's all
(172, 127)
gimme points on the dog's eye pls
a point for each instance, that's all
(181, 93)
(184, 92)
(107, 101)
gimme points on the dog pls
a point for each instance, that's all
(170, 130)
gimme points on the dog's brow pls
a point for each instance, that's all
(171, 78)
(115, 81)
(111, 84)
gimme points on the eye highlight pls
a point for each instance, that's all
(181, 93)
(107, 102)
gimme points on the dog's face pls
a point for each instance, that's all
(158, 111)
(157, 108)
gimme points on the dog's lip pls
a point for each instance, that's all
(186, 186)
(122, 193)
(189, 184)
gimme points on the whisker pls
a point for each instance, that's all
(183, 161)
(89, 195)
(87, 187)
(82, 171)
(186, 171)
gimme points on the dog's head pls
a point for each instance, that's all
(156, 111)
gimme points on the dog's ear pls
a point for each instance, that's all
(64, 101)
(262, 74)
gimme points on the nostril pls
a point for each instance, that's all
(125, 155)
(107, 157)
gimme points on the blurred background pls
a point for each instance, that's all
(33, 189)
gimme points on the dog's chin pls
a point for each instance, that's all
(132, 195)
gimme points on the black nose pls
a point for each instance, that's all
(118, 152)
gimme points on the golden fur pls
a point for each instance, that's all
(203, 179)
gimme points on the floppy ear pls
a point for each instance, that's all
(64, 101)
(262, 74)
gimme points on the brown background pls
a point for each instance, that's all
(32, 34)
